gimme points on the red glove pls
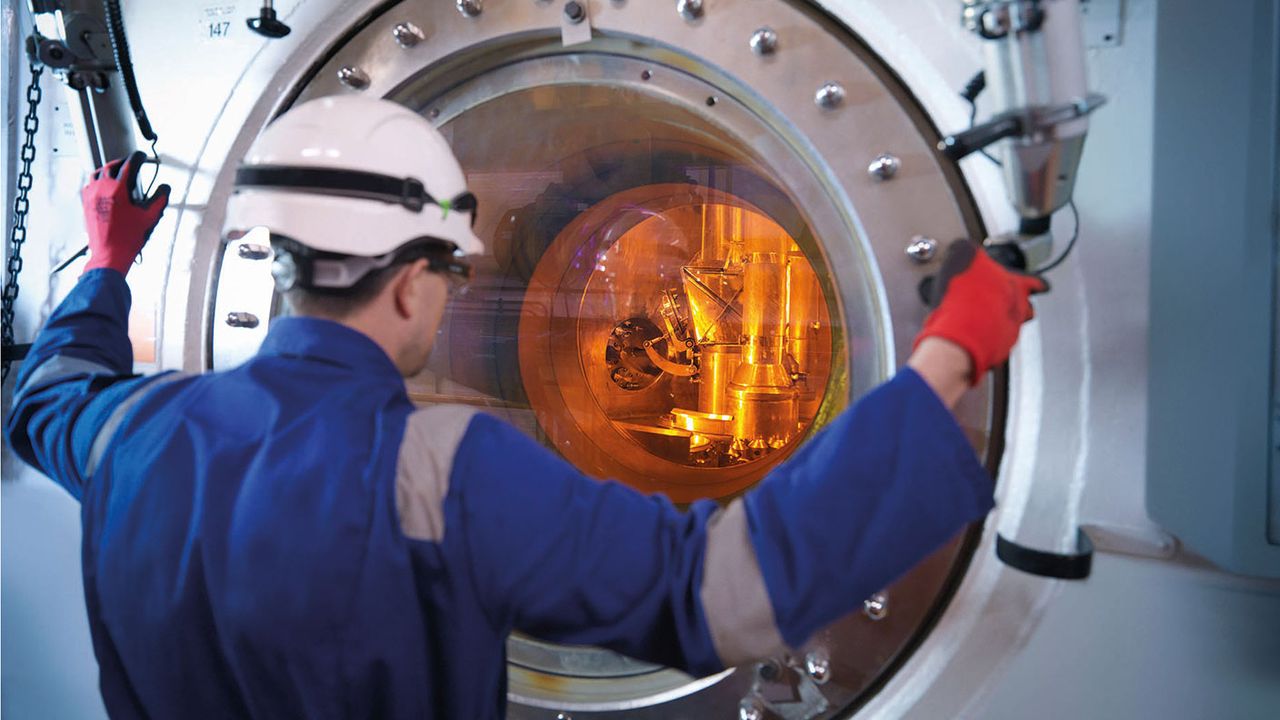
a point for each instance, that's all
(980, 306)
(118, 221)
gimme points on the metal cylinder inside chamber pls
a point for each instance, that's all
(689, 270)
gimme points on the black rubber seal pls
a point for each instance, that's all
(1061, 566)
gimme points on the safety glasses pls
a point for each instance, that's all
(299, 266)
(457, 271)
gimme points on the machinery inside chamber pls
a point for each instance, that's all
(699, 334)
(652, 305)
(715, 358)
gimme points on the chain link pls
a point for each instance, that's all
(21, 205)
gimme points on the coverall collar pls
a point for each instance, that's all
(328, 342)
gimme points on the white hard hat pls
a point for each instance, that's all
(354, 176)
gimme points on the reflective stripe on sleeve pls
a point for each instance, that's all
(59, 367)
(431, 439)
(733, 594)
(108, 430)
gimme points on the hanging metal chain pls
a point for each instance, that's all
(21, 206)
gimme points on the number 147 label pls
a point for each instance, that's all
(219, 29)
(216, 22)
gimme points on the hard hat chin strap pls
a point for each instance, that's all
(408, 192)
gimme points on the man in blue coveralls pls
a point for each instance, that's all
(294, 538)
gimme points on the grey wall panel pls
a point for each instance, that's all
(1212, 269)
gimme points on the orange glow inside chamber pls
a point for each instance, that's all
(675, 338)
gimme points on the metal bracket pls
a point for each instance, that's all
(575, 22)
(666, 365)
(1147, 542)
(787, 690)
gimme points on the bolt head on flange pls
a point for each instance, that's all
(690, 9)
(876, 607)
(242, 320)
(921, 249)
(574, 12)
(407, 35)
(353, 77)
(470, 8)
(818, 666)
(884, 167)
(764, 41)
(829, 96)
(251, 251)
(750, 709)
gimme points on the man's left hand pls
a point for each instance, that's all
(117, 218)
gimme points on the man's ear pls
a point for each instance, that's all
(407, 288)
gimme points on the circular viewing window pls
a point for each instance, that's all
(652, 305)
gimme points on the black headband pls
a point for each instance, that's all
(408, 192)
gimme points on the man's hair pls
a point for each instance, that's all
(339, 304)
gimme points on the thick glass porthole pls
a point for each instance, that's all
(654, 305)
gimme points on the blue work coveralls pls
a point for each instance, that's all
(294, 538)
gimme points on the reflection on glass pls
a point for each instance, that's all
(652, 306)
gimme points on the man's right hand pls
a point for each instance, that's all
(979, 305)
(117, 221)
